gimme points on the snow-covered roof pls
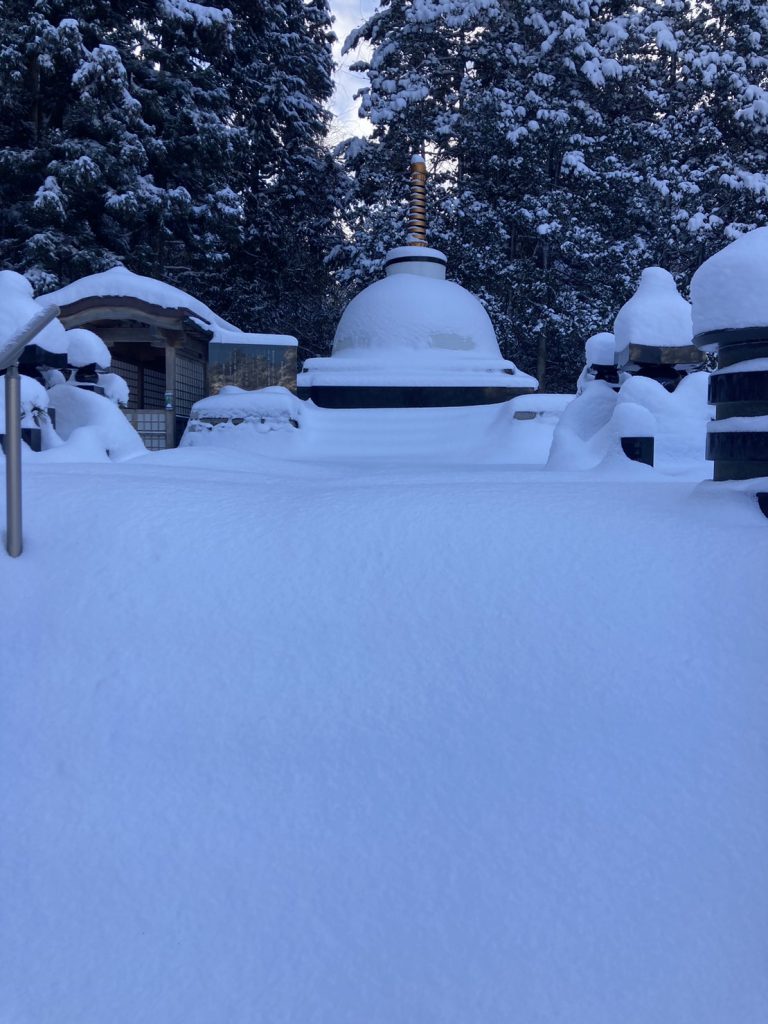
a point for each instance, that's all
(730, 290)
(235, 337)
(121, 283)
(656, 316)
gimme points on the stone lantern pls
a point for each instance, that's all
(599, 361)
(654, 332)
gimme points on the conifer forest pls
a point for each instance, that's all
(569, 144)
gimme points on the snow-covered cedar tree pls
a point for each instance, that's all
(280, 81)
(114, 137)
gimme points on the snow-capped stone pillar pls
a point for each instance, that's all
(730, 316)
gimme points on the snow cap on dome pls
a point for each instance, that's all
(599, 349)
(730, 290)
(406, 312)
(656, 315)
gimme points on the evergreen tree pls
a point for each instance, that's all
(113, 140)
(180, 81)
(73, 144)
(287, 181)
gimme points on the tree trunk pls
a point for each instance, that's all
(541, 354)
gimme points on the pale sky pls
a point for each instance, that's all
(349, 13)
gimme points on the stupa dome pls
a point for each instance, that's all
(413, 338)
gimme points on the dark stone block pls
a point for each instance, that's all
(716, 341)
(738, 455)
(29, 435)
(665, 375)
(639, 449)
(406, 398)
(738, 445)
(607, 372)
(738, 387)
(734, 470)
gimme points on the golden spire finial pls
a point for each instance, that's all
(417, 207)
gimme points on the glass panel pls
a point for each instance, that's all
(130, 374)
(154, 389)
(190, 384)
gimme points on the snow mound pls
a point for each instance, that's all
(115, 388)
(34, 400)
(599, 350)
(18, 307)
(410, 330)
(234, 414)
(84, 347)
(541, 403)
(406, 312)
(462, 434)
(593, 424)
(657, 315)
(630, 419)
(730, 290)
(77, 407)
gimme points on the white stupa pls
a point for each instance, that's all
(413, 338)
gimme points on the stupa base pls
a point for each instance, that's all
(330, 397)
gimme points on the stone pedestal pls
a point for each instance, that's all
(667, 364)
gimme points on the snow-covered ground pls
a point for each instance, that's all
(382, 741)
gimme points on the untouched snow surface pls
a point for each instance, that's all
(345, 742)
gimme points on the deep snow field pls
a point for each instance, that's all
(383, 741)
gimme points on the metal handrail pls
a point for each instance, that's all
(10, 353)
